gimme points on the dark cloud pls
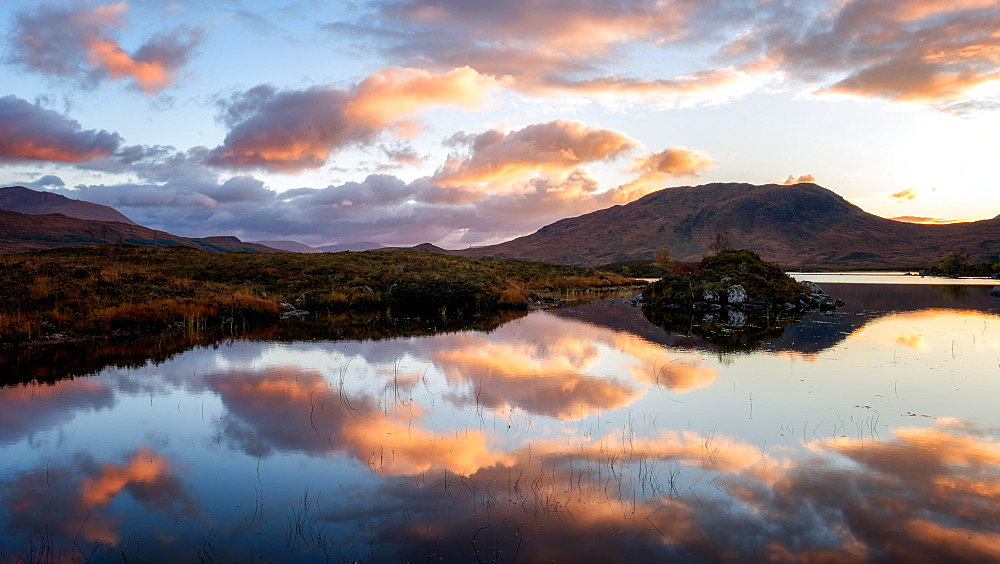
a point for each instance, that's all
(78, 44)
(31, 133)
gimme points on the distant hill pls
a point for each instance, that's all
(290, 246)
(33, 202)
(360, 246)
(21, 232)
(801, 225)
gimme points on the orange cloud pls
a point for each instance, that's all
(151, 76)
(926, 220)
(657, 168)
(295, 130)
(79, 44)
(553, 148)
(905, 195)
(31, 133)
(392, 93)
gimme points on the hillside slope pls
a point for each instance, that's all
(21, 232)
(798, 225)
(33, 202)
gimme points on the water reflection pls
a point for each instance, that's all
(575, 434)
(81, 499)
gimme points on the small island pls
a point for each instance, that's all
(732, 298)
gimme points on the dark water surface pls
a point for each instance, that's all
(578, 434)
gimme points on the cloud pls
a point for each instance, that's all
(926, 220)
(656, 168)
(931, 53)
(579, 55)
(495, 185)
(78, 498)
(290, 131)
(905, 195)
(791, 180)
(31, 133)
(79, 44)
(554, 147)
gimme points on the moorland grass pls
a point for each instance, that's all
(123, 289)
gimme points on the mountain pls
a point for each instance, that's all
(360, 246)
(290, 246)
(803, 225)
(21, 232)
(25, 200)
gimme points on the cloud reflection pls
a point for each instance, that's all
(74, 499)
(29, 409)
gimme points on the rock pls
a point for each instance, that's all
(293, 313)
(708, 295)
(736, 295)
(813, 287)
(828, 304)
(995, 291)
(737, 318)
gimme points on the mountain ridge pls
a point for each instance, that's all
(798, 225)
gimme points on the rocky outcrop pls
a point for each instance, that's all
(734, 298)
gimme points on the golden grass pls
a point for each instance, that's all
(120, 288)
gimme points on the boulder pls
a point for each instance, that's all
(813, 287)
(736, 318)
(736, 295)
(708, 295)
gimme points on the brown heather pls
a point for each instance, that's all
(124, 289)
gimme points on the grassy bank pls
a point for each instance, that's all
(118, 289)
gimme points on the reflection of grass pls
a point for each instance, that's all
(127, 289)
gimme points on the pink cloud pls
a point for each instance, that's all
(79, 44)
(31, 133)
(931, 53)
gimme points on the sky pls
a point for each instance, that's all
(470, 122)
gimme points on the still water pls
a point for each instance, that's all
(577, 434)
